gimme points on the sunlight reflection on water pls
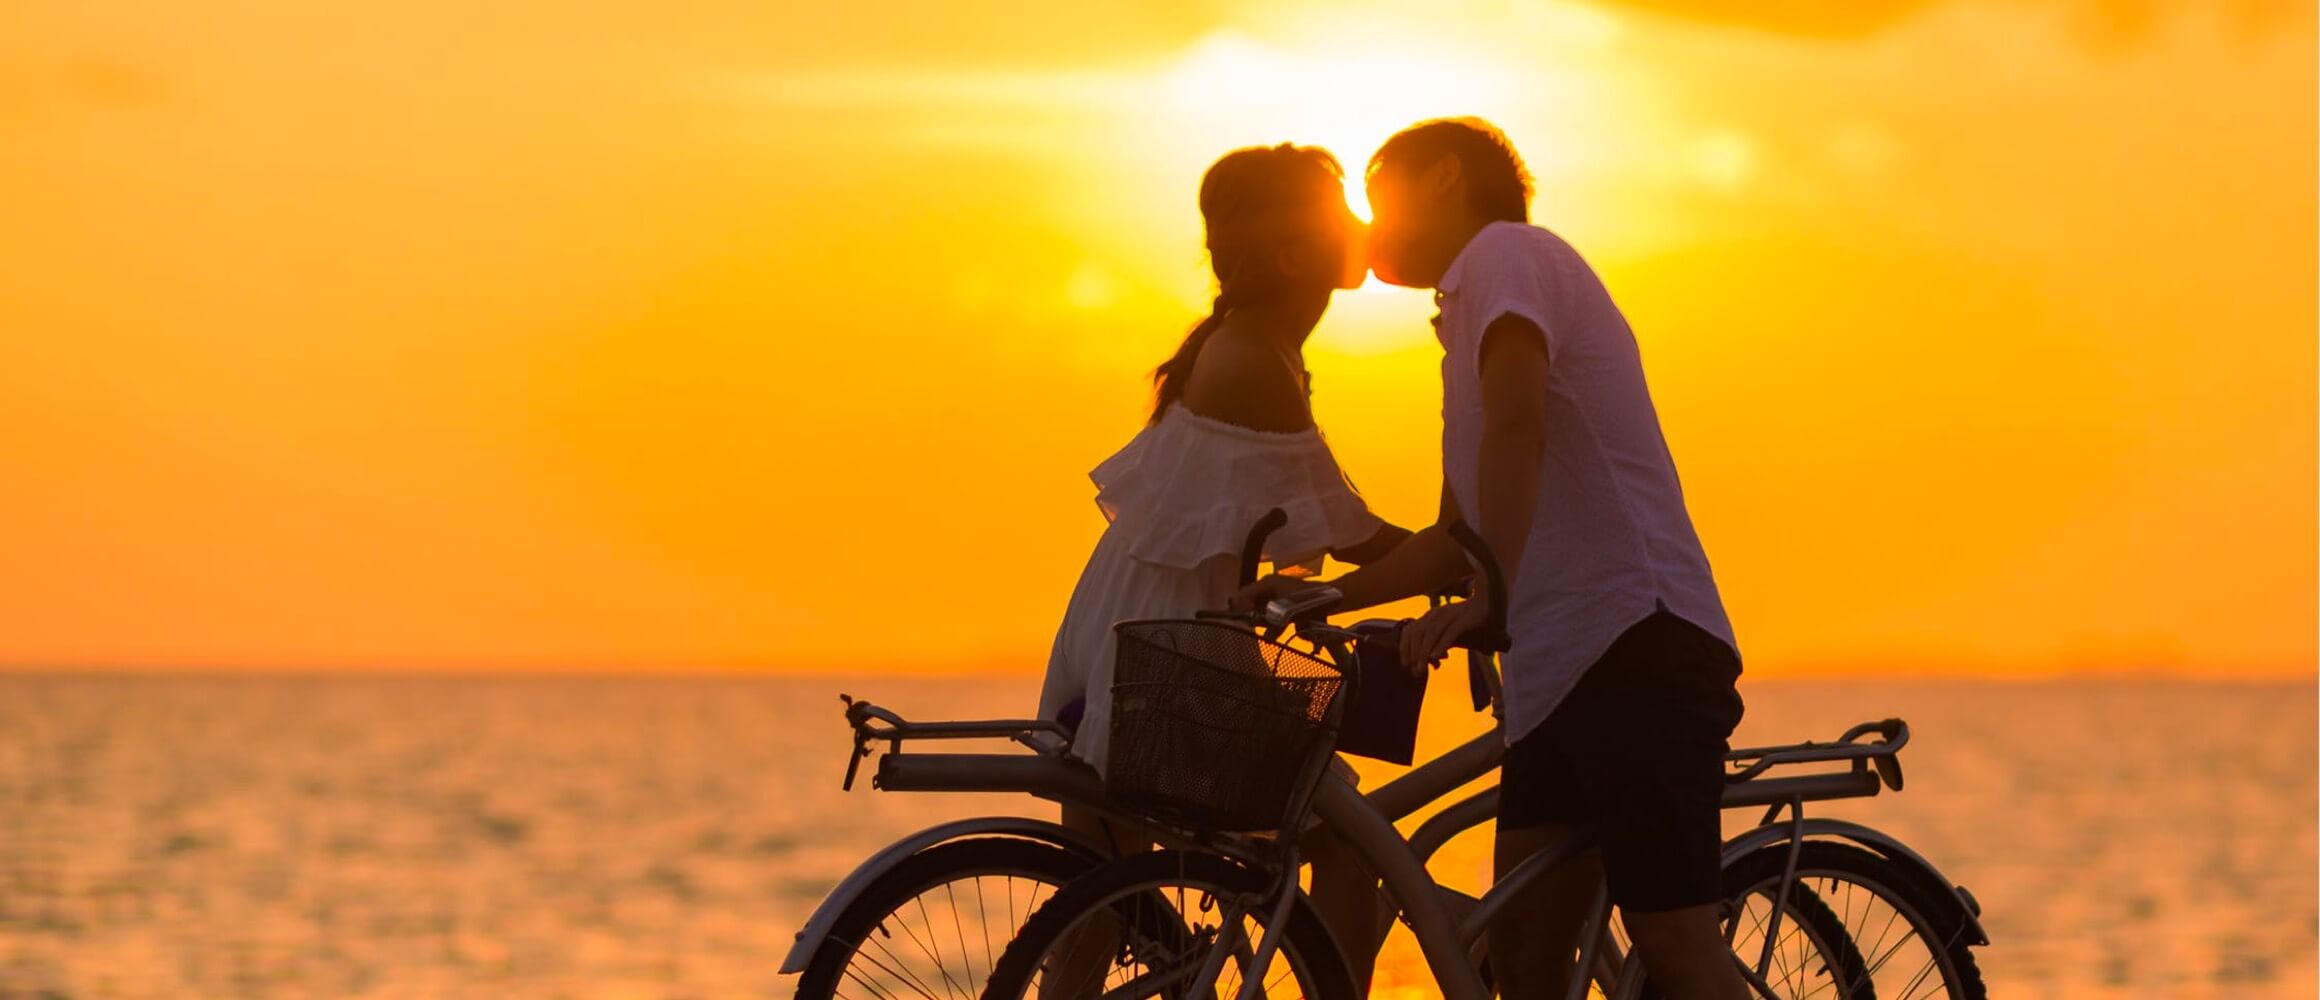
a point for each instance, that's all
(567, 837)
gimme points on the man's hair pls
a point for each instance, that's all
(1497, 185)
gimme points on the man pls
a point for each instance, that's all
(1619, 682)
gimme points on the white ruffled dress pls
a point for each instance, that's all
(1181, 498)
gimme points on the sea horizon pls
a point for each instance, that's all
(537, 836)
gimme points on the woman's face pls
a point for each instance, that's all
(1353, 254)
(1390, 226)
(1403, 218)
(1333, 250)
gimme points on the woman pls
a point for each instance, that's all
(1231, 435)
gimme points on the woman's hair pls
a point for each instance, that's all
(1255, 202)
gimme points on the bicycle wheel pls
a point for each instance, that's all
(1898, 942)
(1148, 926)
(1814, 957)
(934, 925)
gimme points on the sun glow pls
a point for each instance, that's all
(1347, 97)
(1345, 94)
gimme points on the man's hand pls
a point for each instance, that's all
(1425, 640)
(1254, 596)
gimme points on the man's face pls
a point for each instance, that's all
(1393, 225)
(1408, 210)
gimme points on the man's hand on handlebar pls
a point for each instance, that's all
(1430, 637)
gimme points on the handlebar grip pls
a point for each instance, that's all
(1492, 635)
(1253, 550)
(1895, 731)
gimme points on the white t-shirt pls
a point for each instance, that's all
(1610, 541)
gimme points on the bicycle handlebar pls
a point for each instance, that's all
(1310, 622)
(1253, 550)
(1490, 637)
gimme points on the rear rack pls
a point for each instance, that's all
(1869, 765)
(872, 724)
(1772, 776)
(1051, 777)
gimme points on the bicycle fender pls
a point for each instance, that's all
(1964, 908)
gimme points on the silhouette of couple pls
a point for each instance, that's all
(1619, 683)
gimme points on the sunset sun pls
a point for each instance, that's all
(1346, 97)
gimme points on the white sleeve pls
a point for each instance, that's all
(1507, 283)
(1187, 489)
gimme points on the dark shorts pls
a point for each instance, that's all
(1636, 751)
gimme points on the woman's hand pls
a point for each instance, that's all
(1256, 595)
(1427, 639)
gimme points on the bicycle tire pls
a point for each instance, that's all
(1821, 924)
(928, 869)
(1311, 951)
(1905, 889)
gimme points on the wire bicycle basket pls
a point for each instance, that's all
(1217, 728)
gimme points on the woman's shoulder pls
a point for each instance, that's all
(1240, 380)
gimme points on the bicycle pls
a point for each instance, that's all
(874, 933)
(1220, 913)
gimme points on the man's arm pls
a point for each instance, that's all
(1423, 562)
(1514, 437)
(1428, 561)
(1385, 539)
(1513, 357)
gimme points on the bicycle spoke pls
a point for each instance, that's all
(1286, 972)
(1931, 964)
(1758, 927)
(895, 966)
(1777, 970)
(983, 919)
(1179, 938)
(1909, 989)
(1884, 931)
(898, 970)
(1887, 954)
(1799, 947)
(875, 992)
(959, 932)
(1879, 928)
(932, 949)
(1814, 953)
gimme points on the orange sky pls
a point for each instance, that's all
(716, 333)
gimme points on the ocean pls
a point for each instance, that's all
(327, 836)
